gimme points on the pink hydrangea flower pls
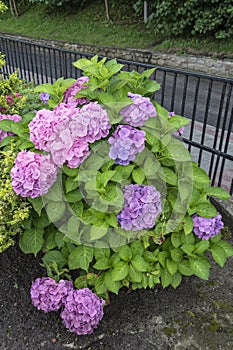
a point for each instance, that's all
(69, 94)
(33, 174)
(15, 117)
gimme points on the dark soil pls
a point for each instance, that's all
(197, 315)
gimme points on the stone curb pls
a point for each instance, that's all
(198, 63)
(225, 207)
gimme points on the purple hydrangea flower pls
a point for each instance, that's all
(82, 311)
(178, 132)
(48, 295)
(44, 97)
(139, 111)
(206, 228)
(33, 174)
(15, 117)
(43, 125)
(69, 94)
(142, 205)
(126, 142)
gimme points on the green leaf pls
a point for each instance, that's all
(218, 254)
(206, 210)
(55, 210)
(70, 184)
(217, 192)
(134, 275)
(54, 256)
(227, 247)
(137, 248)
(188, 225)
(138, 175)
(104, 178)
(176, 281)
(201, 247)
(176, 254)
(100, 287)
(97, 232)
(80, 257)
(102, 264)
(188, 249)
(170, 176)
(162, 256)
(55, 193)
(171, 266)
(175, 239)
(74, 196)
(200, 176)
(122, 172)
(31, 241)
(120, 271)
(50, 242)
(37, 204)
(149, 256)
(125, 253)
(166, 277)
(11, 126)
(59, 239)
(112, 286)
(184, 268)
(71, 172)
(200, 267)
(139, 263)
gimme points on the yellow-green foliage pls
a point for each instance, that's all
(13, 209)
(2, 60)
(3, 7)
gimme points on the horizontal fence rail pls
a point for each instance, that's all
(206, 100)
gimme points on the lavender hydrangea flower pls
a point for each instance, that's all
(206, 228)
(44, 97)
(178, 132)
(33, 174)
(126, 142)
(139, 111)
(48, 295)
(69, 94)
(142, 205)
(15, 117)
(82, 311)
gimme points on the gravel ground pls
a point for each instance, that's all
(197, 315)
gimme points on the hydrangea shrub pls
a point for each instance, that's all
(116, 197)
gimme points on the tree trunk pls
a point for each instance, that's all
(13, 8)
(107, 9)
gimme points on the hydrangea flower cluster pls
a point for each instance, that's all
(33, 174)
(126, 142)
(15, 117)
(69, 94)
(44, 97)
(48, 295)
(82, 312)
(82, 309)
(142, 205)
(139, 111)
(206, 228)
(178, 132)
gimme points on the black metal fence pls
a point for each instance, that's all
(206, 100)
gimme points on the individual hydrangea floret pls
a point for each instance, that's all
(139, 111)
(142, 205)
(33, 174)
(126, 142)
(69, 94)
(42, 127)
(83, 310)
(65, 147)
(178, 132)
(48, 295)
(44, 97)
(15, 117)
(206, 228)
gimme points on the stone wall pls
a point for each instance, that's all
(202, 64)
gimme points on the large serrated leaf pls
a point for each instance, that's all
(31, 241)
(120, 271)
(200, 267)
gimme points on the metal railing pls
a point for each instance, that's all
(206, 100)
